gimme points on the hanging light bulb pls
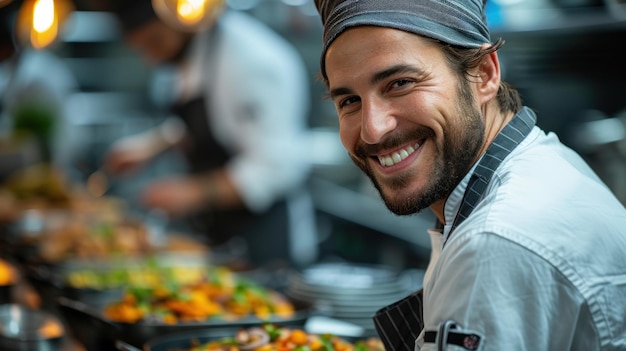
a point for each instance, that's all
(39, 21)
(189, 15)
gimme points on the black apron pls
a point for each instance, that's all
(265, 234)
(399, 324)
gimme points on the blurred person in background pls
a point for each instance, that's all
(35, 86)
(528, 253)
(240, 104)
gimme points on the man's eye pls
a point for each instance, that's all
(348, 101)
(400, 83)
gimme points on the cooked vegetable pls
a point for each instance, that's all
(264, 339)
(147, 275)
(219, 294)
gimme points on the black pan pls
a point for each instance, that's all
(178, 341)
(90, 326)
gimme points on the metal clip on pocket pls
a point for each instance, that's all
(442, 336)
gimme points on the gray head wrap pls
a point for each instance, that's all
(457, 22)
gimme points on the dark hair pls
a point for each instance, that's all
(462, 60)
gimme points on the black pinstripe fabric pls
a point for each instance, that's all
(399, 324)
(510, 136)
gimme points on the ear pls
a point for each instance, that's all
(489, 82)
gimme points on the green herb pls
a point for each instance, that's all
(272, 331)
(142, 294)
(360, 346)
(105, 230)
(181, 296)
(325, 339)
(240, 295)
(228, 341)
(214, 277)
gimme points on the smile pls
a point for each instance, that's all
(397, 156)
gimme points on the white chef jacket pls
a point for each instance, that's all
(540, 264)
(257, 91)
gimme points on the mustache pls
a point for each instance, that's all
(364, 150)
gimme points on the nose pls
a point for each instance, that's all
(376, 121)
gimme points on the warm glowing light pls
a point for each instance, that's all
(188, 15)
(190, 11)
(43, 15)
(45, 24)
(39, 21)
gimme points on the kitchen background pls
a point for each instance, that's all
(564, 56)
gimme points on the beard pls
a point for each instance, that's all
(460, 150)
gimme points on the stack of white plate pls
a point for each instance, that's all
(351, 292)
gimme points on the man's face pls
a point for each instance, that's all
(158, 43)
(407, 120)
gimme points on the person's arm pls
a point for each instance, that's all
(187, 194)
(218, 190)
(507, 295)
(131, 152)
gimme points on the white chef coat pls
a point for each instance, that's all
(540, 264)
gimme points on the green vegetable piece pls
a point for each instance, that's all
(327, 345)
(360, 346)
(214, 277)
(272, 331)
(228, 341)
(142, 294)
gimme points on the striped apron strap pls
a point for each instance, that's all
(511, 135)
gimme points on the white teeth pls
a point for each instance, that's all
(397, 156)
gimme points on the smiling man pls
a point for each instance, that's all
(528, 251)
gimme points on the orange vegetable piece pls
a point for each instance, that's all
(123, 313)
(299, 337)
(316, 344)
(343, 346)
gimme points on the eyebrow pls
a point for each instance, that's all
(380, 76)
(393, 70)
